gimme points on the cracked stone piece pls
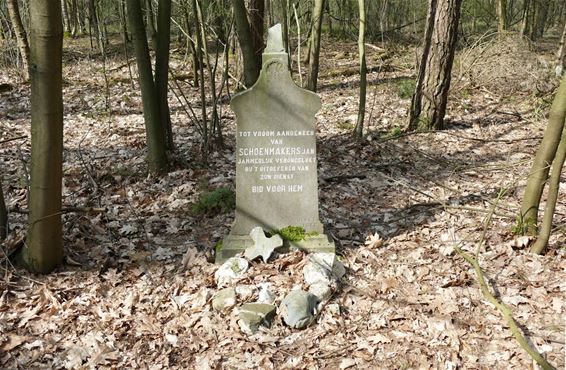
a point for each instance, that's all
(265, 294)
(223, 299)
(252, 315)
(245, 291)
(321, 290)
(263, 246)
(230, 270)
(333, 309)
(297, 309)
(323, 267)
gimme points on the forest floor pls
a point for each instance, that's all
(123, 299)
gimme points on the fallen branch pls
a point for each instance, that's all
(13, 139)
(505, 311)
(64, 210)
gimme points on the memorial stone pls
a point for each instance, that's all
(276, 162)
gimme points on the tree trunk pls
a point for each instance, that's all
(155, 133)
(501, 15)
(3, 215)
(191, 45)
(93, 22)
(43, 249)
(151, 23)
(66, 19)
(123, 22)
(21, 38)
(315, 45)
(429, 101)
(363, 71)
(162, 67)
(256, 16)
(526, 24)
(540, 15)
(543, 160)
(561, 56)
(553, 187)
(251, 69)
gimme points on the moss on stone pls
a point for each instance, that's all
(219, 245)
(293, 233)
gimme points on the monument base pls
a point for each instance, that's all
(234, 244)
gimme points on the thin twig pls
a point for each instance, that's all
(13, 139)
(505, 311)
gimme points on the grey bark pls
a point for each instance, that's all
(21, 38)
(312, 80)
(43, 249)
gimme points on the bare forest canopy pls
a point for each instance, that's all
(438, 149)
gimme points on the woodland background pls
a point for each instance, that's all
(131, 273)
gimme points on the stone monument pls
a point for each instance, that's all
(276, 163)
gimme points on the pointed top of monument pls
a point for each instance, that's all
(275, 40)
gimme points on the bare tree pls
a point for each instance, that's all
(358, 131)
(155, 131)
(550, 154)
(43, 249)
(501, 15)
(252, 65)
(316, 31)
(428, 105)
(21, 38)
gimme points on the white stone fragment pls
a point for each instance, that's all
(265, 294)
(232, 269)
(323, 267)
(321, 290)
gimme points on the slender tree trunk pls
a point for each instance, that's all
(3, 215)
(21, 38)
(123, 21)
(540, 16)
(191, 45)
(256, 16)
(151, 23)
(501, 15)
(162, 66)
(544, 158)
(429, 101)
(363, 71)
(66, 20)
(251, 69)
(155, 133)
(561, 56)
(200, 39)
(93, 22)
(553, 187)
(43, 249)
(315, 45)
(73, 16)
(526, 24)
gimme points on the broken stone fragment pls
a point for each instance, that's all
(223, 299)
(297, 309)
(323, 267)
(245, 291)
(265, 294)
(321, 290)
(230, 270)
(263, 246)
(252, 315)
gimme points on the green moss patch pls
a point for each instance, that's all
(293, 233)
